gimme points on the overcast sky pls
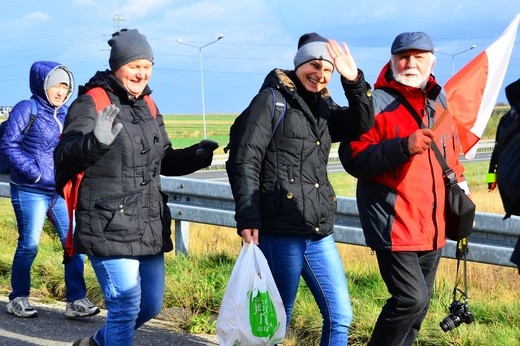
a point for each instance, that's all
(259, 35)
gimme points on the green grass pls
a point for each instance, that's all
(185, 130)
(195, 283)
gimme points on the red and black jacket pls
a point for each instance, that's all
(400, 196)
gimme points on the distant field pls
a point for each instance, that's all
(185, 130)
(188, 129)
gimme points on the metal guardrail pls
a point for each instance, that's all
(207, 202)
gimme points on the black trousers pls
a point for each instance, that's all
(409, 277)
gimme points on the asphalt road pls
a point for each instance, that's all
(332, 167)
(221, 176)
(52, 328)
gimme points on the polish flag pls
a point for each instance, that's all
(472, 92)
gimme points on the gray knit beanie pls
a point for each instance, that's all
(311, 46)
(128, 45)
(56, 77)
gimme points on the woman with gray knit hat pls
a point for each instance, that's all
(121, 149)
(32, 131)
(284, 201)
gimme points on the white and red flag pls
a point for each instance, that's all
(472, 92)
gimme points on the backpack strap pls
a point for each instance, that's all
(101, 100)
(151, 105)
(70, 194)
(32, 118)
(279, 109)
(276, 117)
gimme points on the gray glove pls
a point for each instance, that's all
(105, 130)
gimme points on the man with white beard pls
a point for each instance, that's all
(401, 188)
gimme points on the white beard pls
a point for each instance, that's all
(411, 77)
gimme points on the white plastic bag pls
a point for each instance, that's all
(252, 311)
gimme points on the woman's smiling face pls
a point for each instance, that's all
(315, 74)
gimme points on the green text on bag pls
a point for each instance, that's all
(262, 315)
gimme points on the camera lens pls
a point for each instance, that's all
(449, 323)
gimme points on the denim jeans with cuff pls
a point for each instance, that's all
(317, 261)
(31, 207)
(133, 288)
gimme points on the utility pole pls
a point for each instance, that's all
(118, 20)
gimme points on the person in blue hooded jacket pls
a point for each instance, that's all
(28, 147)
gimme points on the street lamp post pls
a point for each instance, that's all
(453, 57)
(201, 75)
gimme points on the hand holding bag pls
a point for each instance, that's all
(252, 311)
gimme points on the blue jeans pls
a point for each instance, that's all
(133, 288)
(409, 277)
(31, 207)
(318, 262)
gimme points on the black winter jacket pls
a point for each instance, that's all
(281, 185)
(120, 206)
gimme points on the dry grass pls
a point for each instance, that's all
(485, 281)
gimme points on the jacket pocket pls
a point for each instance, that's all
(121, 217)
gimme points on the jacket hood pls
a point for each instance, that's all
(38, 76)
(513, 93)
(386, 80)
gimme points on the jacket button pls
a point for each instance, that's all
(317, 229)
(369, 93)
(291, 180)
(334, 198)
(317, 185)
(289, 195)
(318, 143)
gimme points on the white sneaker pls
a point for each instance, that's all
(21, 307)
(81, 308)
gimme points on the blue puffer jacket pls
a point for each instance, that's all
(31, 155)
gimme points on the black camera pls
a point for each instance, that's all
(459, 313)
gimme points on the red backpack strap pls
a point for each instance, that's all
(70, 194)
(100, 97)
(151, 105)
(71, 188)
(102, 100)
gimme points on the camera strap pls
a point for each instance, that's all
(460, 254)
